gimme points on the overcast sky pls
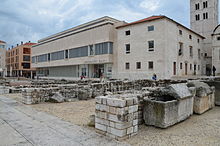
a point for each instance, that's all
(31, 20)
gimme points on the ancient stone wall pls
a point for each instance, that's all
(116, 116)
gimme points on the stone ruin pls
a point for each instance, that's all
(204, 98)
(161, 106)
(81, 90)
(117, 116)
(167, 106)
(216, 84)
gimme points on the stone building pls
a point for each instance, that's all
(158, 45)
(85, 50)
(2, 58)
(216, 49)
(203, 20)
(18, 60)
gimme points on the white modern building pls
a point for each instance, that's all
(158, 45)
(86, 50)
(2, 58)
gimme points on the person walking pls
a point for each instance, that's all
(213, 70)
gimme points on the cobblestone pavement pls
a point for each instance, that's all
(22, 125)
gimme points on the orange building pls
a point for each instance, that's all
(18, 61)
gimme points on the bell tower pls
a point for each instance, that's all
(203, 20)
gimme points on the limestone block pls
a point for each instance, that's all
(104, 108)
(113, 110)
(123, 125)
(116, 102)
(122, 111)
(102, 115)
(130, 130)
(98, 99)
(118, 132)
(100, 127)
(129, 101)
(135, 128)
(133, 109)
(102, 121)
(135, 122)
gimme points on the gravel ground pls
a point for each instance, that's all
(198, 130)
(77, 112)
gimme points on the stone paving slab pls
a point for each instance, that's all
(39, 128)
(9, 136)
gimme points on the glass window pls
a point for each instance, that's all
(151, 28)
(151, 45)
(25, 58)
(42, 58)
(110, 48)
(138, 65)
(180, 52)
(48, 57)
(101, 48)
(78, 52)
(190, 51)
(66, 54)
(26, 65)
(33, 59)
(190, 37)
(57, 55)
(150, 65)
(180, 32)
(127, 47)
(127, 65)
(128, 32)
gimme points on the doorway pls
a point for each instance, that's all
(186, 68)
(98, 70)
(174, 68)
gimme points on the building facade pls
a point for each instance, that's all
(2, 58)
(86, 50)
(18, 61)
(216, 49)
(116, 49)
(203, 20)
(158, 45)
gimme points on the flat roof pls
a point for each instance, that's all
(154, 18)
(90, 23)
